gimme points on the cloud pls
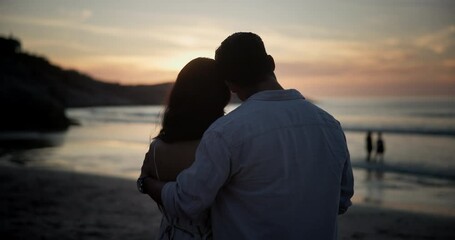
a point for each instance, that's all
(297, 48)
(354, 79)
(326, 66)
(156, 50)
(78, 15)
(122, 69)
(129, 73)
(132, 69)
(62, 46)
(439, 41)
(449, 63)
(165, 39)
(72, 26)
(66, 24)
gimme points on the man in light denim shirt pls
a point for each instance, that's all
(277, 167)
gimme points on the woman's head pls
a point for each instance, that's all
(196, 100)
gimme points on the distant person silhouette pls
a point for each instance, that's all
(380, 148)
(369, 146)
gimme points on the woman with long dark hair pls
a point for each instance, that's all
(197, 99)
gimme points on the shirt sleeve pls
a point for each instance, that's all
(196, 187)
(347, 186)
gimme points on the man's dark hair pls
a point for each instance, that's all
(242, 59)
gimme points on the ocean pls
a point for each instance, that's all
(417, 172)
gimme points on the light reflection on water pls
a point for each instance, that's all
(405, 192)
(113, 141)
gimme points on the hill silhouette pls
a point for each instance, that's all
(34, 92)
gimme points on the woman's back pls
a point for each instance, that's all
(172, 158)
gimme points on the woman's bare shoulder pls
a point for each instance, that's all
(176, 146)
(178, 153)
(172, 158)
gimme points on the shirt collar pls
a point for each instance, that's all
(276, 95)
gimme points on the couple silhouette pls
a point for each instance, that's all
(380, 147)
(277, 167)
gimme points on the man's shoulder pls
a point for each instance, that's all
(226, 121)
(229, 127)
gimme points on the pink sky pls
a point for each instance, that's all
(323, 48)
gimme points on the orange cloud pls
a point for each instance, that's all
(439, 41)
(130, 74)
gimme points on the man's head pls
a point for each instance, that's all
(242, 59)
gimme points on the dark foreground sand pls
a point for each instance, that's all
(43, 204)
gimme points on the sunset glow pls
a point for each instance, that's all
(323, 48)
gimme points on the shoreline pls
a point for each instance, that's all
(51, 204)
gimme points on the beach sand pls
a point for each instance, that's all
(47, 204)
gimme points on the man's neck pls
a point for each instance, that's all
(268, 84)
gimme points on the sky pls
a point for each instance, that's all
(322, 48)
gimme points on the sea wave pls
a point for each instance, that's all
(154, 115)
(434, 172)
(402, 130)
(448, 115)
(117, 115)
